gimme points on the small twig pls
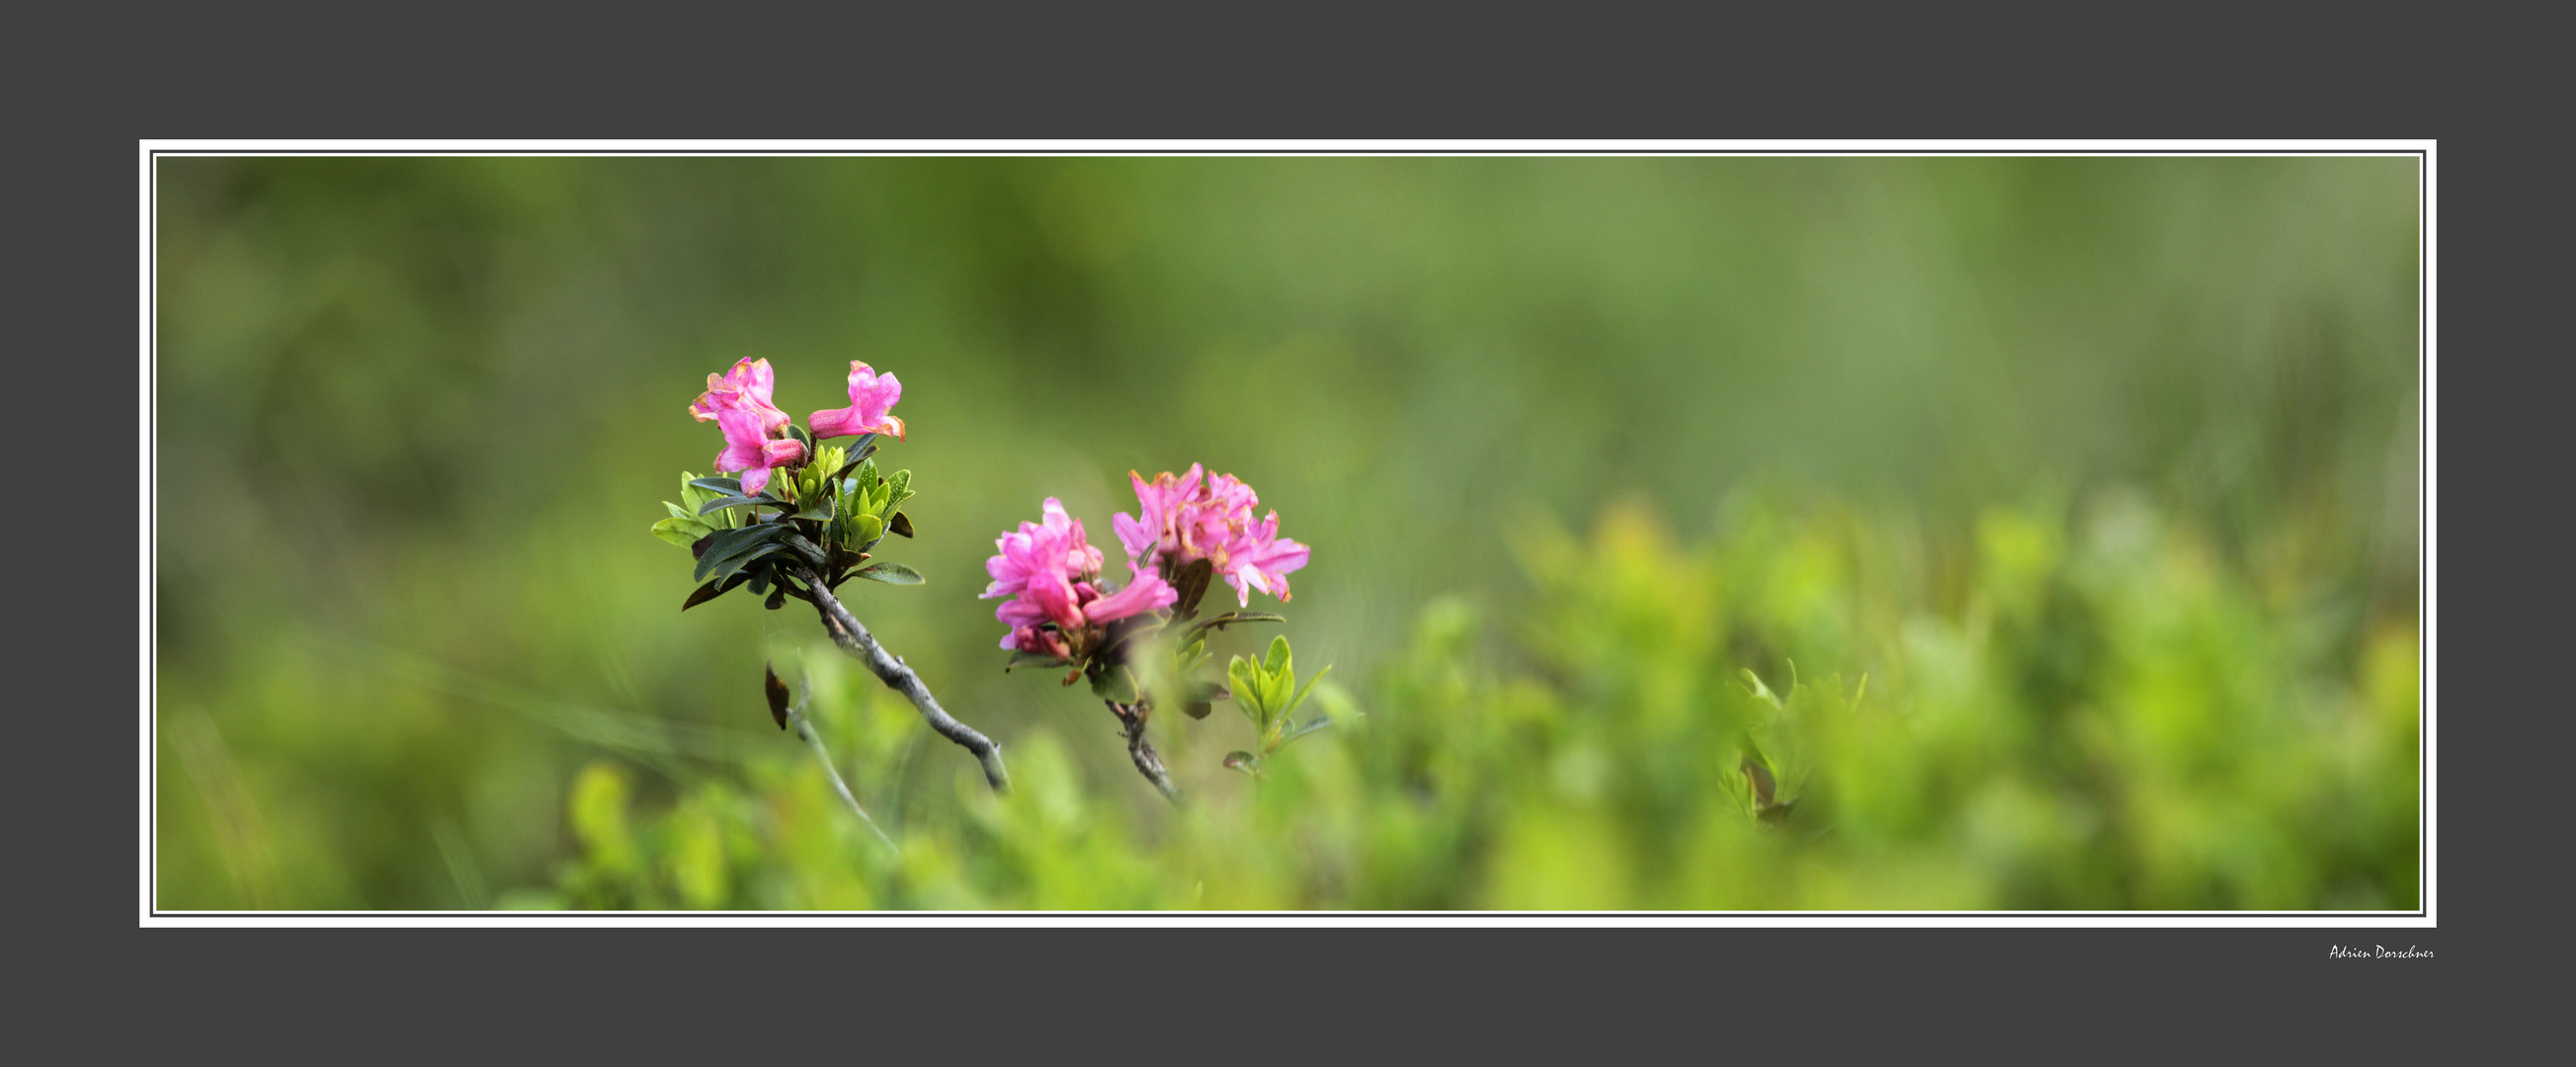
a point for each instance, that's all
(805, 730)
(855, 639)
(1131, 721)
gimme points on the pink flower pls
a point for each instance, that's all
(1180, 521)
(753, 452)
(1050, 573)
(1055, 545)
(755, 430)
(1261, 559)
(748, 385)
(1159, 504)
(871, 396)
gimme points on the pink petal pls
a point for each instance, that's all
(838, 422)
(1134, 535)
(1146, 591)
(1053, 595)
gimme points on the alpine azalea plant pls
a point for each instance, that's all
(1061, 611)
(794, 518)
(799, 519)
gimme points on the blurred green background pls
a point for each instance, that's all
(2102, 470)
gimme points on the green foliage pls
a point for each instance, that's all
(2108, 718)
(1267, 692)
(411, 414)
(827, 514)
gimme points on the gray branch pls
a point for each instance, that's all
(889, 668)
(805, 730)
(1131, 721)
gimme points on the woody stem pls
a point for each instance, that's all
(889, 668)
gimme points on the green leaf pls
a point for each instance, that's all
(1031, 659)
(719, 486)
(1229, 618)
(1243, 761)
(900, 524)
(681, 531)
(1760, 691)
(1301, 729)
(813, 553)
(1191, 583)
(1199, 697)
(858, 453)
(1114, 683)
(867, 529)
(1280, 672)
(737, 563)
(823, 510)
(1246, 676)
(705, 593)
(890, 573)
(730, 543)
(1302, 690)
(723, 502)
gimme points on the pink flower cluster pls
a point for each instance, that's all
(1052, 575)
(1182, 521)
(755, 430)
(756, 438)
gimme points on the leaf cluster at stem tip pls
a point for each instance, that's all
(825, 518)
(1269, 694)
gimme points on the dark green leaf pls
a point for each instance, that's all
(1031, 659)
(890, 573)
(901, 525)
(802, 436)
(1113, 684)
(722, 486)
(757, 553)
(777, 596)
(723, 544)
(723, 502)
(1296, 730)
(705, 593)
(813, 553)
(777, 692)
(1191, 583)
(1230, 618)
